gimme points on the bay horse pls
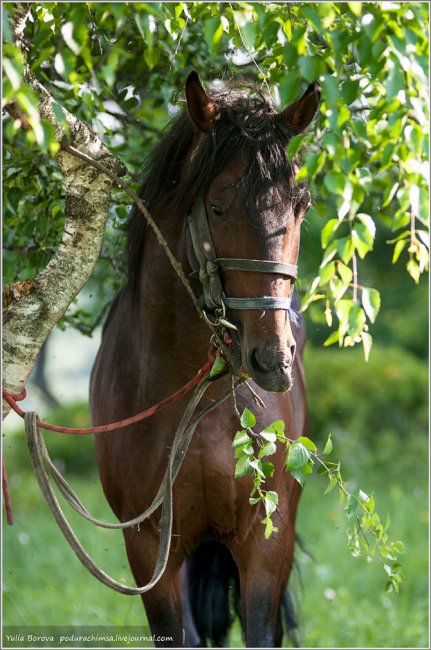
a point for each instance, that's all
(224, 155)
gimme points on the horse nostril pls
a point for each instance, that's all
(292, 351)
(264, 359)
(257, 363)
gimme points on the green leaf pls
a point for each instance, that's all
(326, 273)
(241, 438)
(351, 505)
(346, 247)
(270, 502)
(368, 223)
(311, 67)
(243, 467)
(244, 450)
(355, 8)
(67, 31)
(362, 238)
(248, 419)
(7, 32)
(213, 32)
(367, 342)
(295, 142)
(268, 435)
(289, 88)
(328, 230)
(335, 182)
(349, 90)
(13, 72)
(267, 468)
(301, 473)
(398, 249)
(328, 445)
(356, 321)
(218, 367)
(330, 91)
(257, 465)
(108, 74)
(307, 442)
(272, 496)
(297, 456)
(413, 270)
(334, 337)
(345, 273)
(363, 497)
(371, 303)
(277, 427)
(269, 527)
(268, 449)
(332, 483)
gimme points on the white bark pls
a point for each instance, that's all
(33, 307)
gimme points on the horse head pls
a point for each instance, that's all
(246, 222)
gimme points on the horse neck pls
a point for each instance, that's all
(170, 323)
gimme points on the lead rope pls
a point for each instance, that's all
(183, 435)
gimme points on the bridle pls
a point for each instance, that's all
(209, 266)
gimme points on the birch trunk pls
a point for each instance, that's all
(32, 308)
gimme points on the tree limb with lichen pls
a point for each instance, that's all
(32, 308)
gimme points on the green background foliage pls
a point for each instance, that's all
(122, 67)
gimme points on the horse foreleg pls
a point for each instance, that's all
(163, 610)
(260, 604)
(264, 570)
(163, 602)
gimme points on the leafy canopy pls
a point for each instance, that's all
(121, 68)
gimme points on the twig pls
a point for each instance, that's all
(233, 396)
(247, 49)
(93, 24)
(413, 238)
(179, 43)
(140, 204)
(259, 401)
(128, 119)
(22, 249)
(355, 277)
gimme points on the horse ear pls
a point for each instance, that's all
(201, 109)
(298, 115)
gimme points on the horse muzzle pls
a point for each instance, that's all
(269, 366)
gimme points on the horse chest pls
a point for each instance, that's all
(206, 494)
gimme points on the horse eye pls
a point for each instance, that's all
(217, 210)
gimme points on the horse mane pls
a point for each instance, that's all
(244, 127)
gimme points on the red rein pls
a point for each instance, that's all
(13, 399)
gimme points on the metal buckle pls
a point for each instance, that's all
(220, 318)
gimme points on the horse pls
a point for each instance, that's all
(224, 157)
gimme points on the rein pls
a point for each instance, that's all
(44, 468)
(183, 436)
(13, 399)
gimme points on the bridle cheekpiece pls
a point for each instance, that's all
(209, 266)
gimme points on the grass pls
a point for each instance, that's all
(341, 601)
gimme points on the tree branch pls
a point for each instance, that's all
(38, 304)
